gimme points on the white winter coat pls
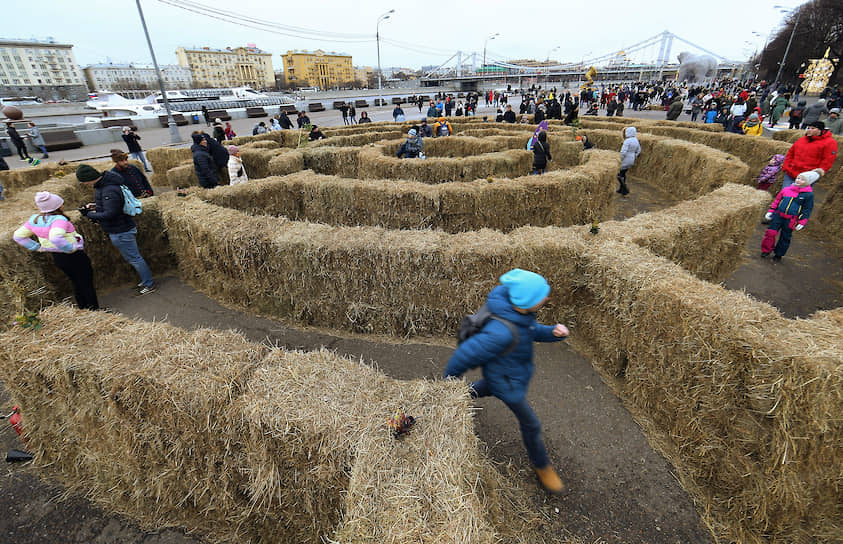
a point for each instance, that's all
(630, 148)
(234, 166)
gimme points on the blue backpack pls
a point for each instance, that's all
(131, 205)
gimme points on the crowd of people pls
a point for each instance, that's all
(503, 344)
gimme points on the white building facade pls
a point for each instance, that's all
(121, 77)
(45, 69)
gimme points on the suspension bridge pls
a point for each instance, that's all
(646, 60)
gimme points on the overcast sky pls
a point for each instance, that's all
(428, 32)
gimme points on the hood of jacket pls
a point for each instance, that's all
(109, 178)
(630, 132)
(499, 304)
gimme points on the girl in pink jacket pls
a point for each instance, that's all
(789, 211)
(56, 235)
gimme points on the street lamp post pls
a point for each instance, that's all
(492, 37)
(378, 40)
(787, 49)
(175, 137)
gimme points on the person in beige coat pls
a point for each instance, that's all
(236, 170)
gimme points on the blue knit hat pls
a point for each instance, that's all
(526, 289)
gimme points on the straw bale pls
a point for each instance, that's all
(753, 151)
(826, 220)
(353, 140)
(22, 178)
(375, 164)
(256, 159)
(561, 197)
(284, 138)
(286, 163)
(339, 161)
(707, 244)
(359, 483)
(364, 279)
(497, 130)
(746, 417)
(788, 135)
(162, 159)
(261, 144)
(223, 437)
(371, 280)
(183, 175)
(680, 168)
(138, 416)
(705, 127)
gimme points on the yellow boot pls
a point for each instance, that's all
(550, 480)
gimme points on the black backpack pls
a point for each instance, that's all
(474, 323)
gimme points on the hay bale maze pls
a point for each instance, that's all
(247, 443)
(341, 234)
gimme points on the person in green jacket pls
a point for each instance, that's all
(779, 105)
(675, 109)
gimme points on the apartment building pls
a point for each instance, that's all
(45, 69)
(230, 67)
(120, 77)
(363, 73)
(318, 69)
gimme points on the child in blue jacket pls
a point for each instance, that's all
(507, 369)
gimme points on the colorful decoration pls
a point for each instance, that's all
(817, 74)
(29, 320)
(400, 423)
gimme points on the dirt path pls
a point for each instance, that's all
(618, 488)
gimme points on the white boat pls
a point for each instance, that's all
(113, 105)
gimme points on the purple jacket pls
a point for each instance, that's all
(769, 173)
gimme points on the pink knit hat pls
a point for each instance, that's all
(233, 149)
(48, 202)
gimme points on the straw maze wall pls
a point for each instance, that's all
(747, 419)
(242, 443)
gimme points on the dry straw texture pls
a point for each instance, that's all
(709, 245)
(750, 419)
(207, 431)
(14, 181)
(163, 159)
(680, 168)
(372, 280)
(561, 197)
(754, 151)
(381, 163)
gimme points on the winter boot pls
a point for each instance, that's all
(550, 480)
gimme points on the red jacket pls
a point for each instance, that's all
(808, 153)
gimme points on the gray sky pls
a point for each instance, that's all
(428, 33)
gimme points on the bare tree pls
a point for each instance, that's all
(820, 27)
